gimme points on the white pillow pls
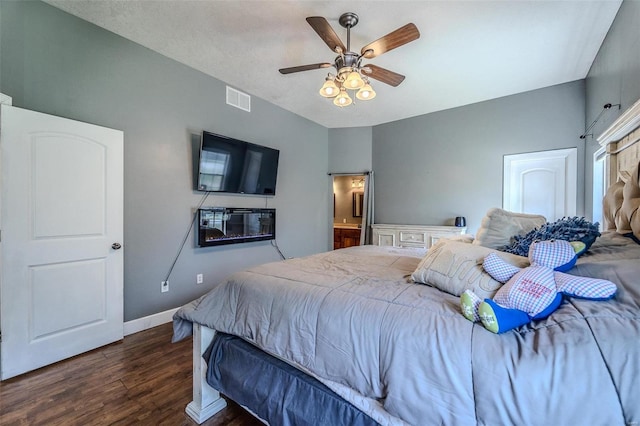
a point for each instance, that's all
(454, 266)
(499, 226)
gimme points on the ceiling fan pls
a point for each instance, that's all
(351, 73)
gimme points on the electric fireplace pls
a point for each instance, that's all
(227, 225)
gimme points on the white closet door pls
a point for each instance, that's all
(541, 183)
(61, 214)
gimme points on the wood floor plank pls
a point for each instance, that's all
(143, 380)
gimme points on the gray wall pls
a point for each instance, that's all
(434, 167)
(55, 63)
(350, 150)
(614, 78)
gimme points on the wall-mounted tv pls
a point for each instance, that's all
(230, 165)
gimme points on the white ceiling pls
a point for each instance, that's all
(468, 51)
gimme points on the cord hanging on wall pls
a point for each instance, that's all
(604, 108)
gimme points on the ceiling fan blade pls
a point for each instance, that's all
(384, 75)
(304, 68)
(397, 38)
(326, 33)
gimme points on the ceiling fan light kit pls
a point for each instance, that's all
(351, 73)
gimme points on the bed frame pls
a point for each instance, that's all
(622, 144)
(206, 400)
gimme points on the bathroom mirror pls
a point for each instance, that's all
(358, 199)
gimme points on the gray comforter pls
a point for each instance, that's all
(403, 352)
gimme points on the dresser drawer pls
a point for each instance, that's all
(413, 238)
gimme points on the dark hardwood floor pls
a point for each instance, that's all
(143, 380)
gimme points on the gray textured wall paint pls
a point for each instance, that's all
(55, 63)
(614, 78)
(350, 150)
(434, 167)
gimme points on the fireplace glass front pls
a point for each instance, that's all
(226, 225)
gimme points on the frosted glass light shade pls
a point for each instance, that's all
(343, 99)
(329, 89)
(353, 81)
(366, 93)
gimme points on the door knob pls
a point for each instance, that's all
(116, 246)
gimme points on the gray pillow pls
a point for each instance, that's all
(454, 266)
(499, 226)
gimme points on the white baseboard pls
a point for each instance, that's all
(147, 322)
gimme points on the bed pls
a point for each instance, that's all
(355, 325)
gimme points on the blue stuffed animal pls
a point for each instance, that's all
(534, 292)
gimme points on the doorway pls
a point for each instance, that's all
(348, 209)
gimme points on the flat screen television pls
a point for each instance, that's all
(230, 165)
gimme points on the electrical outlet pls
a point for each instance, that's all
(199, 279)
(164, 286)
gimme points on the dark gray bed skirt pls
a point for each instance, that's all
(274, 390)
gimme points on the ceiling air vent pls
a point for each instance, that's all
(238, 99)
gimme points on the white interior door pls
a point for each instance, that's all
(542, 183)
(61, 209)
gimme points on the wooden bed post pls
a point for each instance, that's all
(206, 400)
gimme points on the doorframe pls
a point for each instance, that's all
(332, 177)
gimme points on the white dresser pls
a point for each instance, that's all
(412, 235)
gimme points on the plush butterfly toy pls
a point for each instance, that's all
(534, 292)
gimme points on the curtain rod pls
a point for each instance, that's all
(366, 172)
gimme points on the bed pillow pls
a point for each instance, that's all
(454, 266)
(499, 226)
